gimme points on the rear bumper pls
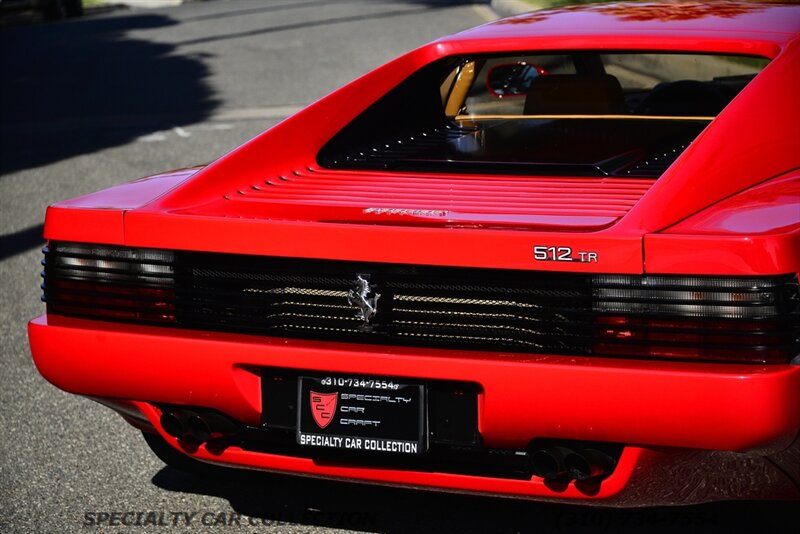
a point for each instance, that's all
(655, 408)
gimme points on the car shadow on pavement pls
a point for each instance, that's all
(76, 87)
(269, 500)
(80, 86)
(18, 242)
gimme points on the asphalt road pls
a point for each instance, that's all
(88, 103)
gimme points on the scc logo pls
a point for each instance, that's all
(323, 406)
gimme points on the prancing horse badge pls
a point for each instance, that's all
(365, 299)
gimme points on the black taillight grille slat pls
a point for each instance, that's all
(766, 328)
(506, 313)
(101, 276)
(685, 317)
(91, 307)
(263, 294)
(466, 339)
(495, 316)
(655, 308)
(109, 252)
(272, 308)
(257, 325)
(100, 297)
(281, 320)
(695, 283)
(108, 274)
(509, 330)
(680, 337)
(122, 280)
(266, 313)
(493, 291)
(700, 298)
(110, 265)
(111, 314)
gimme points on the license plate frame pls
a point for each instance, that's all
(362, 414)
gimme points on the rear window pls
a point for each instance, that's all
(577, 114)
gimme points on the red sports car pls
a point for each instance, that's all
(554, 257)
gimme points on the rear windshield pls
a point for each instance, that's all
(577, 114)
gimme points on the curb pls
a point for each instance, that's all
(508, 8)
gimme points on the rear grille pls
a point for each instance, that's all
(416, 305)
(753, 319)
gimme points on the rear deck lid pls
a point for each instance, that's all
(448, 201)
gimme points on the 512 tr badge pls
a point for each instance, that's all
(547, 253)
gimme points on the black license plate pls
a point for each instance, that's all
(368, 414)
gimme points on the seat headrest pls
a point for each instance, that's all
(565, 94)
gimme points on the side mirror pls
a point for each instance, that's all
(512, 79)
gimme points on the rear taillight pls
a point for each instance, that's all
(701, 318)
(751, 319)
(106, 282)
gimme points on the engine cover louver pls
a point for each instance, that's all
(754, 319)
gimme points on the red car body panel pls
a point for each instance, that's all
(523, 395)
(722, 208)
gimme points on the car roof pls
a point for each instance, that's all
(770, 22)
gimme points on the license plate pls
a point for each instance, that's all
(366, 414)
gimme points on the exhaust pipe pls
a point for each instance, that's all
(175, 422)
(199, 426)
(587, 464)
(550, 463)
(208, 426)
